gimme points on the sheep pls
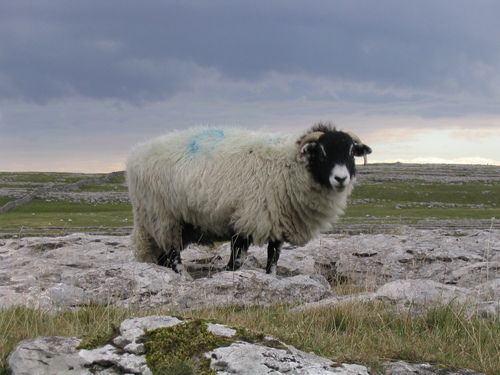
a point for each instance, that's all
(210, 184)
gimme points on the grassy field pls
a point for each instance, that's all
(412, 202)
(61, 217)
(86, 211)
(380, 199)
(446, 336)
(362, 333)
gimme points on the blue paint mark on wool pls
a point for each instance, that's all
(275, 139)
(193, 146)
(205, 141)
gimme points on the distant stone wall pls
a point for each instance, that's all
(74, 186)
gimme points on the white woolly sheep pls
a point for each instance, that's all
(225, 184)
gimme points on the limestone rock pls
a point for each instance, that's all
(48, 355)
(75, 270)
(403, 368)
(464, 258)
(407, 268)
(249, 287)
(244, 358)
(57, 355)
(421, 293)
(132, 329)
(109, 360)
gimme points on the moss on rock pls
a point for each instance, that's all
(178, 350)
(244, 334)
(98, 340)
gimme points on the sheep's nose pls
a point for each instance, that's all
(340, 180)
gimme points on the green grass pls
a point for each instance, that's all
(5, 200)
(408, 202)
(47, 177)
(416, 191)
(59, 217)
(393, 202)
(363, 333)
(56, 214)
(360, 333)
(421, 212)
(20, 323)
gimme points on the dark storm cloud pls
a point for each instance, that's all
(148, 51)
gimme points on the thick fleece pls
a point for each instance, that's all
(225, 182)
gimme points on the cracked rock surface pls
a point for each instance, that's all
(57, 355)
(409, 267)
(412, 266)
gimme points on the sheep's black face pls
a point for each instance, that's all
(331, 159)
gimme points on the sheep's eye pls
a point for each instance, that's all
(351, 151)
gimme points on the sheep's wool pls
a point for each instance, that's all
(227, 181)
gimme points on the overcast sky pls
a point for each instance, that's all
(82, 81)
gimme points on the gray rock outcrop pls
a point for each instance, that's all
(75, 270)
(409, 269)
(46, 356)
(416, 265)
(417, 294)
(403, 368)
(59, 355)
(56, 355)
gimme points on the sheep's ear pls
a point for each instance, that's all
(361, 149)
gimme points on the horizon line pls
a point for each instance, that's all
(423, 161)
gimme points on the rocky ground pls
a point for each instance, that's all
(434, 262)
(409, 268)
(73, 270)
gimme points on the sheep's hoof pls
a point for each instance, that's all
(182, 272)
(186, 276)
(271, 270)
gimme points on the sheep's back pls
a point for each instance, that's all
(211, 177)
(225, 180)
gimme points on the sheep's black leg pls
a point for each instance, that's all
(273, 254)
(164, 260)
(239, 250)
(173, 260)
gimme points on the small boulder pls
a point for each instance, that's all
(236, 351)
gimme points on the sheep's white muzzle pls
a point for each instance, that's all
(340, 177)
